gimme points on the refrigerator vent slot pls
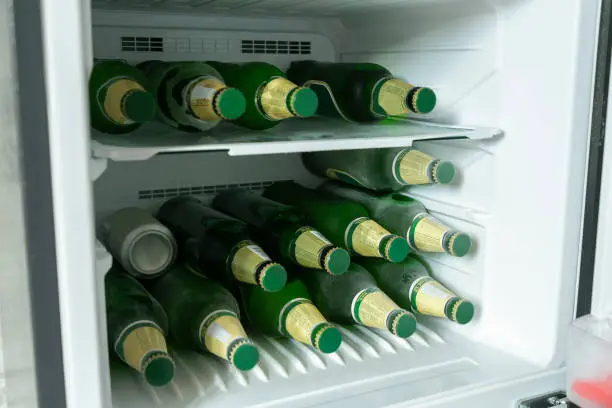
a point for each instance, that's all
(276, 47)
(200, 190)
(142, 44)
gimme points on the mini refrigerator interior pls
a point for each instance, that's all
(515, 79)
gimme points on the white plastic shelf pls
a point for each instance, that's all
(293, 136)
(371, 369)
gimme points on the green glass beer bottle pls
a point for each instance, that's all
(290, 313)
(355, 298)
(271, 97)
(411, 286)
(136, 325)
(407, 217)
(380, 169)
(192, 96)
(283, 231)
(119, 101)
(220, 244)
(360, 92)
(346, 223)
(203, 315)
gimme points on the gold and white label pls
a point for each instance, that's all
(427, 234)
(429, 297)
(308, 247)
(116, 90)
(393, 95)
(363, 236)
(201, 97)
(246, 260)
(273, 98)
(412, 167)
(219, 330)
(299, 319)
(372, 307)
(141, 342)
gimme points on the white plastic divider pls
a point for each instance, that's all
(294, 136)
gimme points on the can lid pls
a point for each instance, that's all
(337, 261)
(273, 277)
(304, 102)
(245, 356)
(231, 103)
(159, 369)
(443, 172)
(459, 244)
(139, 106)
(423, 100)
(328, 339)
(151, 253)
(396, 249)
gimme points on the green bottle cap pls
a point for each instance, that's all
(422, 100)
(273, 277)
(245, 356)
(159, 370)
(464, 312)
(459, 244)
(304, 102)
(337, 261)
(444, 172)
(396, 249)
(139, 106)
(328, 339)
(404, 324)
(231, 104)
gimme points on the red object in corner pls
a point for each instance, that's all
(599, 392)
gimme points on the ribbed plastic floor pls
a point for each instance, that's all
(371, 369)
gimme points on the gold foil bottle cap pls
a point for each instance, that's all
(442, 172)
(337, 261)
(272, 277)
(327, 338)
(159, 369)
(243, 355)
(459, 244)
(144, 349)
(403, 324)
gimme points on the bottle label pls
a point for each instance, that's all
(308, 247)
(393, 95)
(201, 96)
(427, 234)
(343, 176)
(273, 98)
(429, 297)
(300, 319)
(111, 104)
(219, 331)
(245, 259)
(372, 307)
(364, 236)
(138, 341)
(411, 167)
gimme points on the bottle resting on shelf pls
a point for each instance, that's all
(119, 101)
(136, 325)
(407, 217)
(346, 223)
(283, 232)
(380, 169)
(360, 92)
(143, 245)
(203, 315)
(270, 96)
(411, 286)
(355, 298)
(192, 96)
(220, 244)
(290, 313)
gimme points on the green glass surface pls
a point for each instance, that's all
(188, 299)
(105, 72)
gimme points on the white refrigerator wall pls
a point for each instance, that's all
(522, 65)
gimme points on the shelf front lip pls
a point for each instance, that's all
(324, 142)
